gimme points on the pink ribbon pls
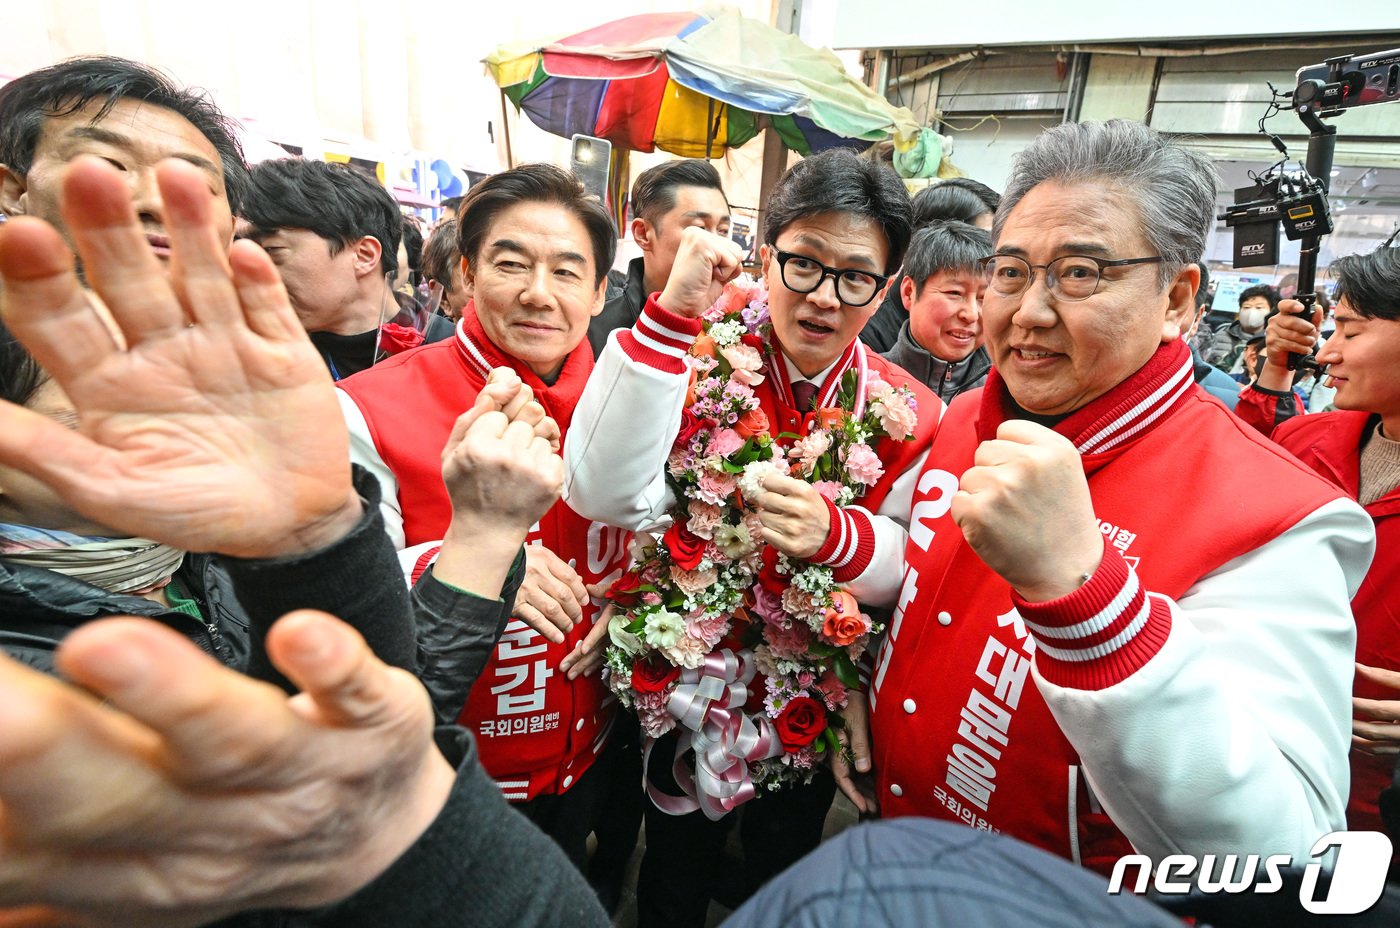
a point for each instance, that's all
(708, 705)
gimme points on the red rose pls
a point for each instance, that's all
(652, 676)
(800, 722)
(691, 425)
(753, 341)
(752, 423)
(394, 338)
(843, 623)
(687, 549)
(626, 590)
(768, 576)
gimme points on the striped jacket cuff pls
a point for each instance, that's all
(849, 545)
(1100, 634)
(660, 338)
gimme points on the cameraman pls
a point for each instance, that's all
(1358, 449)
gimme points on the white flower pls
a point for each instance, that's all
(663, 629)
(733, 540)
(621, 637)
(755, 472)
(726, 333)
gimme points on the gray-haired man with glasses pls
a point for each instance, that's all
(1094, 648)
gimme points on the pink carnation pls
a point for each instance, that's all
(651, 712)
(788, 643)
(703, 519)
(803, 605)
(748, 378)
(693, 581)
(829, 489)
(877, 389)
(742, 357)
(687, 652)
(708, 629)
(896, 417)
(724, 442)
(807, 451)
(716, 488)
(863, 464)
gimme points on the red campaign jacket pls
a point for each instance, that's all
(1330, 443)
(536, 731)
(959, 727)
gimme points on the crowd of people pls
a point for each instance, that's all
(316, 589)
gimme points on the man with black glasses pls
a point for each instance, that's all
(837, 228)
(1192, 673)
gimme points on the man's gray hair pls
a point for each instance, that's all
(1173, 186)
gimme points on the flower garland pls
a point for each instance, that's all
(748, 651)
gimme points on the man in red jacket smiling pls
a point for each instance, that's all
(1101, 643)
(1356, 448)
(536, 250)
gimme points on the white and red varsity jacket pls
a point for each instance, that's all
(536, 731)
(630, 413)
(1192, 697)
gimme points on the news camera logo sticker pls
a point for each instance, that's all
(1358, 876)
(1252, 250)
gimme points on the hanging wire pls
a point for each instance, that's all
(1273, 109)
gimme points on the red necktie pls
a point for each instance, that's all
(803, 391)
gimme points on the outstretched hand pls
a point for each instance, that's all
(191, 792)
(215, 426)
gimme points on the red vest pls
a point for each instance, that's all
(537, 732)
(959, 727)
(1330, 443)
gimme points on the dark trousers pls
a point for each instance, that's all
(685, 859)
(570, 817)
(619, 811)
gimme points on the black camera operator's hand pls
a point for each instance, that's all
(1289, 331)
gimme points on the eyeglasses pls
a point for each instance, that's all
(853, 287)
(1071, 277)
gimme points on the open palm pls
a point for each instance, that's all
(215, 426)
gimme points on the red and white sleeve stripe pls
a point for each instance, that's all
(1100, 634)
(850, 543)
(660, 338)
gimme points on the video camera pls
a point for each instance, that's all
(1296, 199)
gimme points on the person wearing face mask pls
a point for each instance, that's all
(1226, 350)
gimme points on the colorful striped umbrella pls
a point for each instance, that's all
(695, 85)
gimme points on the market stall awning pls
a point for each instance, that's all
(695, 85)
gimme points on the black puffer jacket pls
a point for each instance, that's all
(38, 608)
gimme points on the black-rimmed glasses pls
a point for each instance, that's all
(1071, 277)
(854, 287)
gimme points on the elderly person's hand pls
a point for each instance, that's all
(1024, 507)
(216, 406)
(705, 262)
(177, 792)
